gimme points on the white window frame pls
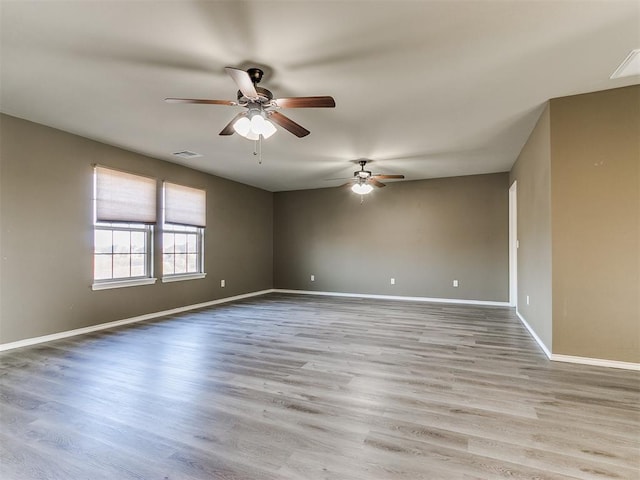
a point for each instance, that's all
(172, 228)
(118, 282)
(128, 281)
(198, 232)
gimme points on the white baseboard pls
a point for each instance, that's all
(395, 297)
(102, 326)
(598, 362)
(140, 318)
(535, 336)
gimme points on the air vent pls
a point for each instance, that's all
(629, 66)
(187, 154)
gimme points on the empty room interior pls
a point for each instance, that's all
(350, 240)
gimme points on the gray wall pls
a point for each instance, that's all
(532, 172)
(46, 235)
(423, 233)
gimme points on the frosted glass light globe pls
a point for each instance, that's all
(361, 188)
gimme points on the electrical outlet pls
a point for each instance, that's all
(393, 281)
(313, 278)
(223, 283)
(455, 283)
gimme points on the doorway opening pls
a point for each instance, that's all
(513, 245)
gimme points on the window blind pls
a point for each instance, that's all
(185, 205)
(124, 197)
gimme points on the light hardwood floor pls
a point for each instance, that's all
(300, 387)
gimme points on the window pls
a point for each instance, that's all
(184, 219)
(125, 211)
(181, 250)
(122, 250)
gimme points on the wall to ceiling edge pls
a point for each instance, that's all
(578, 181)
(46, 230)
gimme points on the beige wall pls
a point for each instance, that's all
(579, 226)
(423, 233)
(532, 173)
(595, 188)
(47, 235)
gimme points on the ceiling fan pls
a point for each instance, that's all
(261, 107)
(363, 180)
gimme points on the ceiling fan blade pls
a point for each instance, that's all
(288, 124)
(200, 100)
(376, 182)
(305, 102)
(387, 176)
(228, 129)
(349, 184)
(243, 80)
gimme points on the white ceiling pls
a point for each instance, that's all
(424, 88)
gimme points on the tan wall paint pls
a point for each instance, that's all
(47, 235)
(423, 233)
(532, 172)
(595, 189)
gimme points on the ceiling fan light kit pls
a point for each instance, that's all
(253, 125)
(361, 188)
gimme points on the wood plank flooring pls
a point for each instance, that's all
(301, 387)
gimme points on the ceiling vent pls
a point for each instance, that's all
(187, 154)
(629, 66)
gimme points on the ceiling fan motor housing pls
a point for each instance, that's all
(264, 96)
(255, 74)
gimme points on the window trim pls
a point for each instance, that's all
(178, 277)
(108, 284)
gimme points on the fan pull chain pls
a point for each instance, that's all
(257, 149)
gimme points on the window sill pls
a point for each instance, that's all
(123, 283)
(179, 278)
